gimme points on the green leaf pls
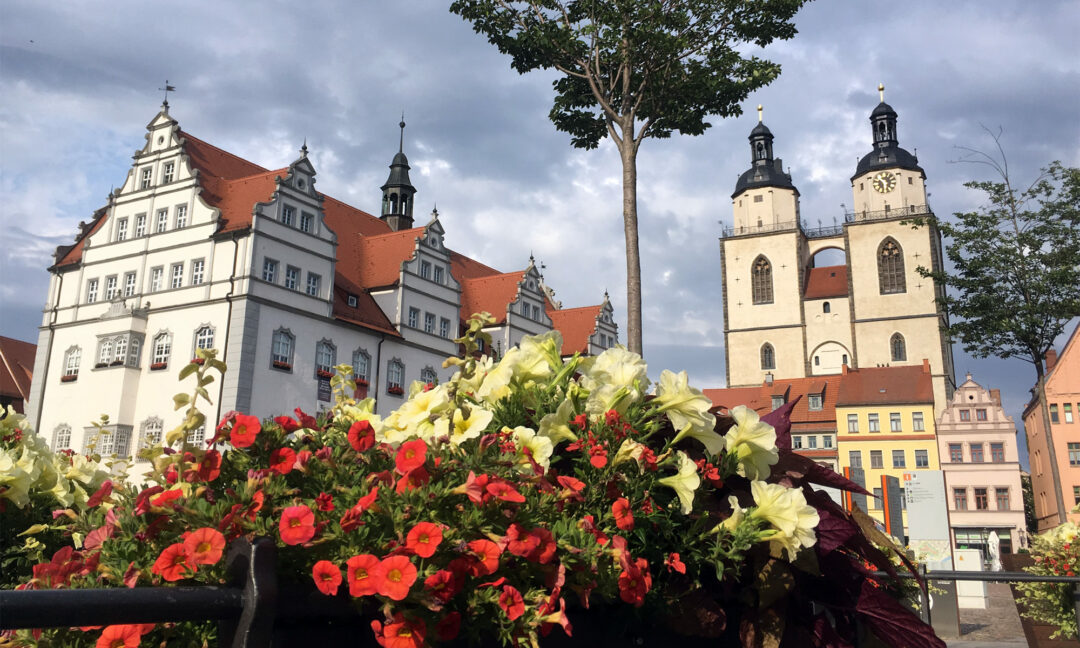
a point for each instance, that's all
(188, 370)
(179, 400)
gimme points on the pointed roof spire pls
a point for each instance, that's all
(435, 211)
(401, 139)
(759, 111)
(881, 92)
(303, 149)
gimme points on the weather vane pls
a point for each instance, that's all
(167, 89)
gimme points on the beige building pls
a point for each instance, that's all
(787, 315)
(978, 448)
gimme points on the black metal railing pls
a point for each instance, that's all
(893, 212)
(824, 231)
(759, 229)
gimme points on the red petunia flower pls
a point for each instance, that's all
(674, 562)
(520, 542)
(360, 574)
(487, 553)
(624, 518)
(511, 602)
(441, 586)
(351, 520)
(612, 418)
(415, 478)
(361, 436)
(167, 498)
(410, 456)
(100, 494)
(306, 420)
(394, 576)
(324, 502)
(635, 582)
(571, 484)
(297, 525)
(448, 628)
(120, 636)
(244, 430)
(400, 633)
(327, 577)
(209, 466)
(505, 492)
(287, 423)
(475, 487)
(597, 456)
(282, 460)
(205, 545)
(173, 562)
(423, 539)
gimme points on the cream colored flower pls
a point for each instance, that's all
(15, 480)
(787, 511)
(555, 425)
(539, 447)
(539, 356)
(615, 379)
(496, 383)
(752, 442)
(685, 482)
(683, 404)
(422, 406)
(712, 441)
(464, 428)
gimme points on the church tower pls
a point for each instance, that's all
(398, 192)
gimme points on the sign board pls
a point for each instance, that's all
(322, 392)
(892, 507)
(928, 537)
(855, 499)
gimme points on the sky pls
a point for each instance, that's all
(80, 81)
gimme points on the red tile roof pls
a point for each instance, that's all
(576, 326)
(375, 261)
(366, 313)
(74, 254)
(886, 385)
(210, 160)
(802, 417)
(827, 281)
(491, 293)
(16, 369)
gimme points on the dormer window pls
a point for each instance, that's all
(300, 183)
(352, 301)
(777, 401)
(815, 402)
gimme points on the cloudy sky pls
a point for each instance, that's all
(80, 81)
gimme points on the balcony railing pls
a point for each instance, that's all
(728, 232)
(897, 212)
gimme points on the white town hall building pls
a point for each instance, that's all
(202, 249)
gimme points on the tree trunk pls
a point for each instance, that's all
(633, 260)
(1055, 473)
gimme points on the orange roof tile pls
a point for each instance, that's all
(576, 326)
(886, 385)
(759, 398)
(210, 160)
(74, 253)
(462, 267)
(376, 260)
(366, 313)
(16, 367)
(236, 198)
(492, 293)
(827, 281)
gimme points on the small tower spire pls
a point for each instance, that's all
(398, 191)
(759, 114)
(881, 92)
(303, 149)
(401, 139)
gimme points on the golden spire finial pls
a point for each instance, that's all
(881, 91)
(759, 113)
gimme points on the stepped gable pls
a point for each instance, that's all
(827, 281)
(887, 385)
(73, 254)
(16, 368)
(576, 325)
(492, 293)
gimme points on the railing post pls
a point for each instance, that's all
(252, 568)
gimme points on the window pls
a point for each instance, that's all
(281, 350)
(325, 358)
(198, 435)
(288, 215)
(536, 312)
(876, 460)
(425, 269)
(897, 348)
(976, 450)
(982, 502)
(761, 281)
(307, 222)
(91, 291)
(162, 220)
(894, 422)
(155, 278)
(922, 459)
(814, 401)
(133, 352)
(1068, 413)
(768, 356)
(811, 442)
(414, 317)
(524, 309)
(960, 499)
(1002, 497)
(853, 423)
(872, 423)
(826, 308)
(1076, 497)
(878, 499)
(204, 338)
(980, 414)
(777, 402)
(917, 422)
(62, 437)
(181, 216)
(1074, 454)
(956, 453)
(292, 277)
(162, 348)
(71, 363)
(438, 274)
(997, 452)
(113, 440)
(313, 281)
(197, 267)
(352, 301)
(140, 225)
(395, 376)
(151, 433)
(796, 442)
(428, 376)
(891, 267)
(361, 361)
(110, 287)
(121, 350)
(121, 229)
(444, 327)
(269, 270)
(898, 460)
(129, 284)
(855, 458)
(826, 441)
(1053, 413)
(965, 415)
(177, 275)
(429, 323)
(105, 353)
(146, 175)
(167, 172)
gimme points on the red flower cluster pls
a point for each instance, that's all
(244, 430)
(297, 525)
(536, 545)
(200, 547)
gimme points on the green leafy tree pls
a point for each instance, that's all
(635, 69)
(1015, 280)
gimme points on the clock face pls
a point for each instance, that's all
(884, 182)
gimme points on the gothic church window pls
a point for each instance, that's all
(898, 348)
(891, 268)
(768, 356)
(761, 281)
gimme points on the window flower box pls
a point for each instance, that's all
(284, 366)
(396, 390)
(158, 366)
(322, 373)
(101, 365)
(116, 363)
(360, 382)
(198, 361)
(69, 378)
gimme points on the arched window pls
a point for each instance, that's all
(105, 353)
(133, 352)
(891, 267)
(121, 343)
(62, 437)
(281, 352)
(428, 376)
(826, 308)
(898, 348)
(761, 281)
(361, 362)
(395, 377)
(204, 337)
(768, 356)
(151, 433)
(72, 358)
(325, 357)
(162, 348)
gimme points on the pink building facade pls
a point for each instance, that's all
(980, 458)
(1063, 398)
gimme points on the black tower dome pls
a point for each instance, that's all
(764, 171)
(887, 153)
(398, 192)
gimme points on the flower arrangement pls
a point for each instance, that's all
(281, 364)
(396, 390)
(69, 378)
(158, 366)
(513, 501)
(1056, 553)
(323, 373)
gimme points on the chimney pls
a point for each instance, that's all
(1051, 359)
(925, 365)
(995, 395)
(844, 370)
(768, 378)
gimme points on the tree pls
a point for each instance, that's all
(1015, 281)
(635, 69)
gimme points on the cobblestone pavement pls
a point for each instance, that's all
(999, 622)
